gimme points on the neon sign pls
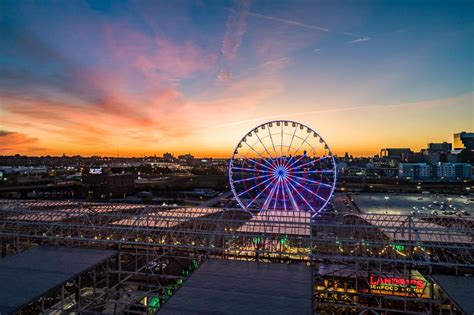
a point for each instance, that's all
(397, 285)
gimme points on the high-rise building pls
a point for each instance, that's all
(464, 140)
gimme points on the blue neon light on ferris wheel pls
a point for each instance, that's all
(282, 165)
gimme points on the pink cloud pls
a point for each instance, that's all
(224, 76)
(13, 142)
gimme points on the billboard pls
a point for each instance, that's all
(95, 170)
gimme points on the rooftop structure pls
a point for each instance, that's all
(278, 223)
(159, 247)
(31, 274)
(459, 288)
(238, 287)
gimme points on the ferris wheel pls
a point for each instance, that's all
(282, 165)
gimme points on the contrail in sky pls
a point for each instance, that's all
(439, 102)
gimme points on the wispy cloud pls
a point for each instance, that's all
(316, 49)
(235, 30)
(236, 27)
(359, 40)
(276, 63)
(288, 22)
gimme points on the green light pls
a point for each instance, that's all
(256, 240)
(284, 240)
(398, 247)
(154, 302)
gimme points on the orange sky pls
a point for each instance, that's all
(144, 79)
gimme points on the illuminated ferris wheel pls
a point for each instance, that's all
(282, 165)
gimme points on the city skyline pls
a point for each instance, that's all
(112, 78)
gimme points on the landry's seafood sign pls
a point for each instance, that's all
(394, 285)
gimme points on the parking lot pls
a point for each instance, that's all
(422, 204)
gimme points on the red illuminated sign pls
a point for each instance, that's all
(399, 285)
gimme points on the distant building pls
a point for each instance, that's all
(399, 153)
(454, 171)
(446, 171)
(463, 171)
(414, 171)
(102, 183)
(442, 147)
(168, 157)
(440, 171)
(414, 158)
(464, 140)
(186, 157)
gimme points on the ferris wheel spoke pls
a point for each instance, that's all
(255, 186)
(286, 163)
(264, 147)
(310, 162)
(301, 145)
(292, 138)
(312, 172)
(299, 148)
(302, 198)
(310, 180)
(281, 141)
(296, 161)
(256, 162)
(259, 153)
(308, 190)
(249, 169)
(269, 198)
(273, 144)
(259, 194)
(276, 195)
(250, 178)
(290, 195)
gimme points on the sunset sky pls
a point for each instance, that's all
(138, 78)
